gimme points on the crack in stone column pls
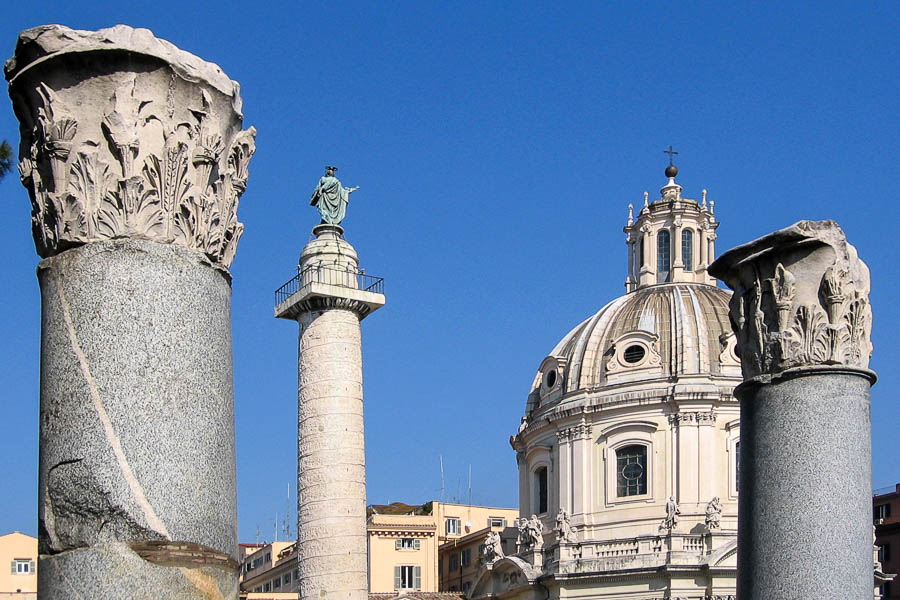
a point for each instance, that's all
(136, 489)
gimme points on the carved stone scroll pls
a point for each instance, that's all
(145, 143)
(801, 298)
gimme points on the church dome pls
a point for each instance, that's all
(663, 331)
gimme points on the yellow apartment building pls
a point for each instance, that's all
(403, 541)
(19, 551)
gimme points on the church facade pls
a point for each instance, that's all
(627, 452)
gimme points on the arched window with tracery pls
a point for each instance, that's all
(687, 249)
(663, 256)
(631, 470)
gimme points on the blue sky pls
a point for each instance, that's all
(497, 146)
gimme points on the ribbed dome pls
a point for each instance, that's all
(682, 328)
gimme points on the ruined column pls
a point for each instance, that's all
(134, 158)
(802, 318)
(328, 298)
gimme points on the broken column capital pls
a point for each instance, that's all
(142, 142)
(801, 299)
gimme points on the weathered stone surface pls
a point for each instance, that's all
(137, 416)
(801, 297)
(125, 136)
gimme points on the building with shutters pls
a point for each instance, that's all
(18, 581)
(404, 540)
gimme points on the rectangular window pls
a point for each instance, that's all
(465, 557)
(268, 557)
(454, 561)
(496, 522)
(22, 566)
(540, 491)
(882, 511)
(407, 577)
(452, 526)
(287, 578)
(258, 589)
(277, 583)
(407, 544)
(267, 586)
(884, 553)
(467, 585)
(631, 471)
(440, 566)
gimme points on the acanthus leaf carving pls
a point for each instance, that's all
(810, 315)
(146, 167)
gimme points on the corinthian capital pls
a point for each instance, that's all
(801, 298)
(123, 135)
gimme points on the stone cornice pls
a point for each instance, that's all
(142, 140)
(801, 298)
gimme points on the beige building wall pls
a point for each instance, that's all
(18, 566)
(460, 558)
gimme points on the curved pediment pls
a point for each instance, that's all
(509, 576)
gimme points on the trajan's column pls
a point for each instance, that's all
(802, 319)
(134, 158)
(328, 298)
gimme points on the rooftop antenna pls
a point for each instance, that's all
(286, 524)
(470, 484)
(443, 489)
(257, 534)
(275, 527)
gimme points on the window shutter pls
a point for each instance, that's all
(396, 578)
(417, 544)
(417, 578)
(31, 567)
(397, 544)
(13, 566)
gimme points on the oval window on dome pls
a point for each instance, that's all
(550, 378)
(634, 354)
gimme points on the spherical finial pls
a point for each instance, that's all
(671, 171)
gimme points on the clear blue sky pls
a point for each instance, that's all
(497, 146)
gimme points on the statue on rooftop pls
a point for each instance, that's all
(672, 512)
(493, 547)
(713, 514)
(331, 198)
(564, 531)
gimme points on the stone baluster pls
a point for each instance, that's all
(802, 318)
(133, 155)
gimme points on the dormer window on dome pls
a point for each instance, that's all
(672, 240)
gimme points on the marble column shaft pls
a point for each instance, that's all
(802, 319)
(331, 458)
(134, 159)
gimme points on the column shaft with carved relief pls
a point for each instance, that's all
(133, 155)
(802, 318)
(330, 301)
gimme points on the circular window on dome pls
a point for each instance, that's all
(634, 354)
(550, 378)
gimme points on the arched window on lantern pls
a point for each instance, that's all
(687, 249)
(663, 256)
